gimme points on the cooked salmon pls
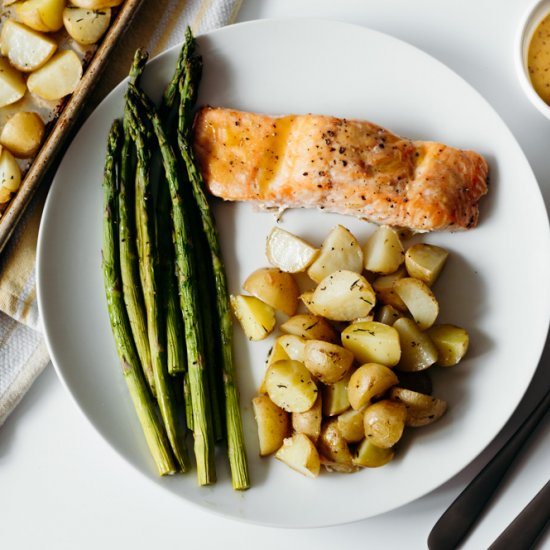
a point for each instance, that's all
(339, 165)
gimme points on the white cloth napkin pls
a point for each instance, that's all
(158, 25)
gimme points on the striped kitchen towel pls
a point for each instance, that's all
(23, 354)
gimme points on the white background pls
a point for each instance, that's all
(61, 486)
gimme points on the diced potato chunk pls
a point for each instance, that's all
(384, 422)
(419, 299)
(340, 250)
(383, 251)
(418, 352)
(335, 397)
(58, 77)
(333, 447)
(425, 262)
(343, 296)
(385, 291)
(10, 173)
(96, 4)
(26, 48)
(22, 133)
(293, 346)
(5, 195)
(387, 315)
(274, 287)
(256, 317)
(328, 362)
(273, 424)
(12, 85)
(301, 455)
(369, 381)
(311, 327)
(372, 342)
(309, 422)
(276, 353)
(41, 15)
(84, 25)
(289, 252)
(371, 456)
(451, 342)
(421, 409)
(350, 425)
(290, 386)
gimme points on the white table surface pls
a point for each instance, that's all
(62, 486)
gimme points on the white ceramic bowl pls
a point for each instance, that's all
(533, 16)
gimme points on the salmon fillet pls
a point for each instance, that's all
(346, 166)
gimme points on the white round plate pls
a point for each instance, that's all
(496, 283)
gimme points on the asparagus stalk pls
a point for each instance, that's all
(120, 325)
(175, 340)
(169, 106)
(148, 254)
(189, 300)
(174, 322)
(129, 267)
(234, 427)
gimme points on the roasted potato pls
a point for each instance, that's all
(335, 397)
(369, 455)
(41, 15)
(300, 454)
(350, 425)
(369, 381)
(387, 315)
(421, 409)
(86, 26)
(383, 251)
(418, 352)
(310, 327)
(340, 251)
(425, 262)
(328, 362)
(384, 422)
(309, 422)
(372, 342)
(419, 299)
(27, 49)
(58, 77)
(385, 292)
(273, 424)
(274, 287)
(288, 252)
(293, 346)
(451, 342)
(256, 317)
(22, 134)
(343, 296)
(290, 386)
(10, 173)
(12, 84)
(334, 448)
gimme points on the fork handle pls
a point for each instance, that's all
(528, 525)
(461, 515)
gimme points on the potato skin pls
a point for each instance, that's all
(274, 287)
(327, 362)
(384, 422)
(334, 449)
(273, 424)
(368, 381)
(309, 422)
(421, 409)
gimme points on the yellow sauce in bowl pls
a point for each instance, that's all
(538, 59)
